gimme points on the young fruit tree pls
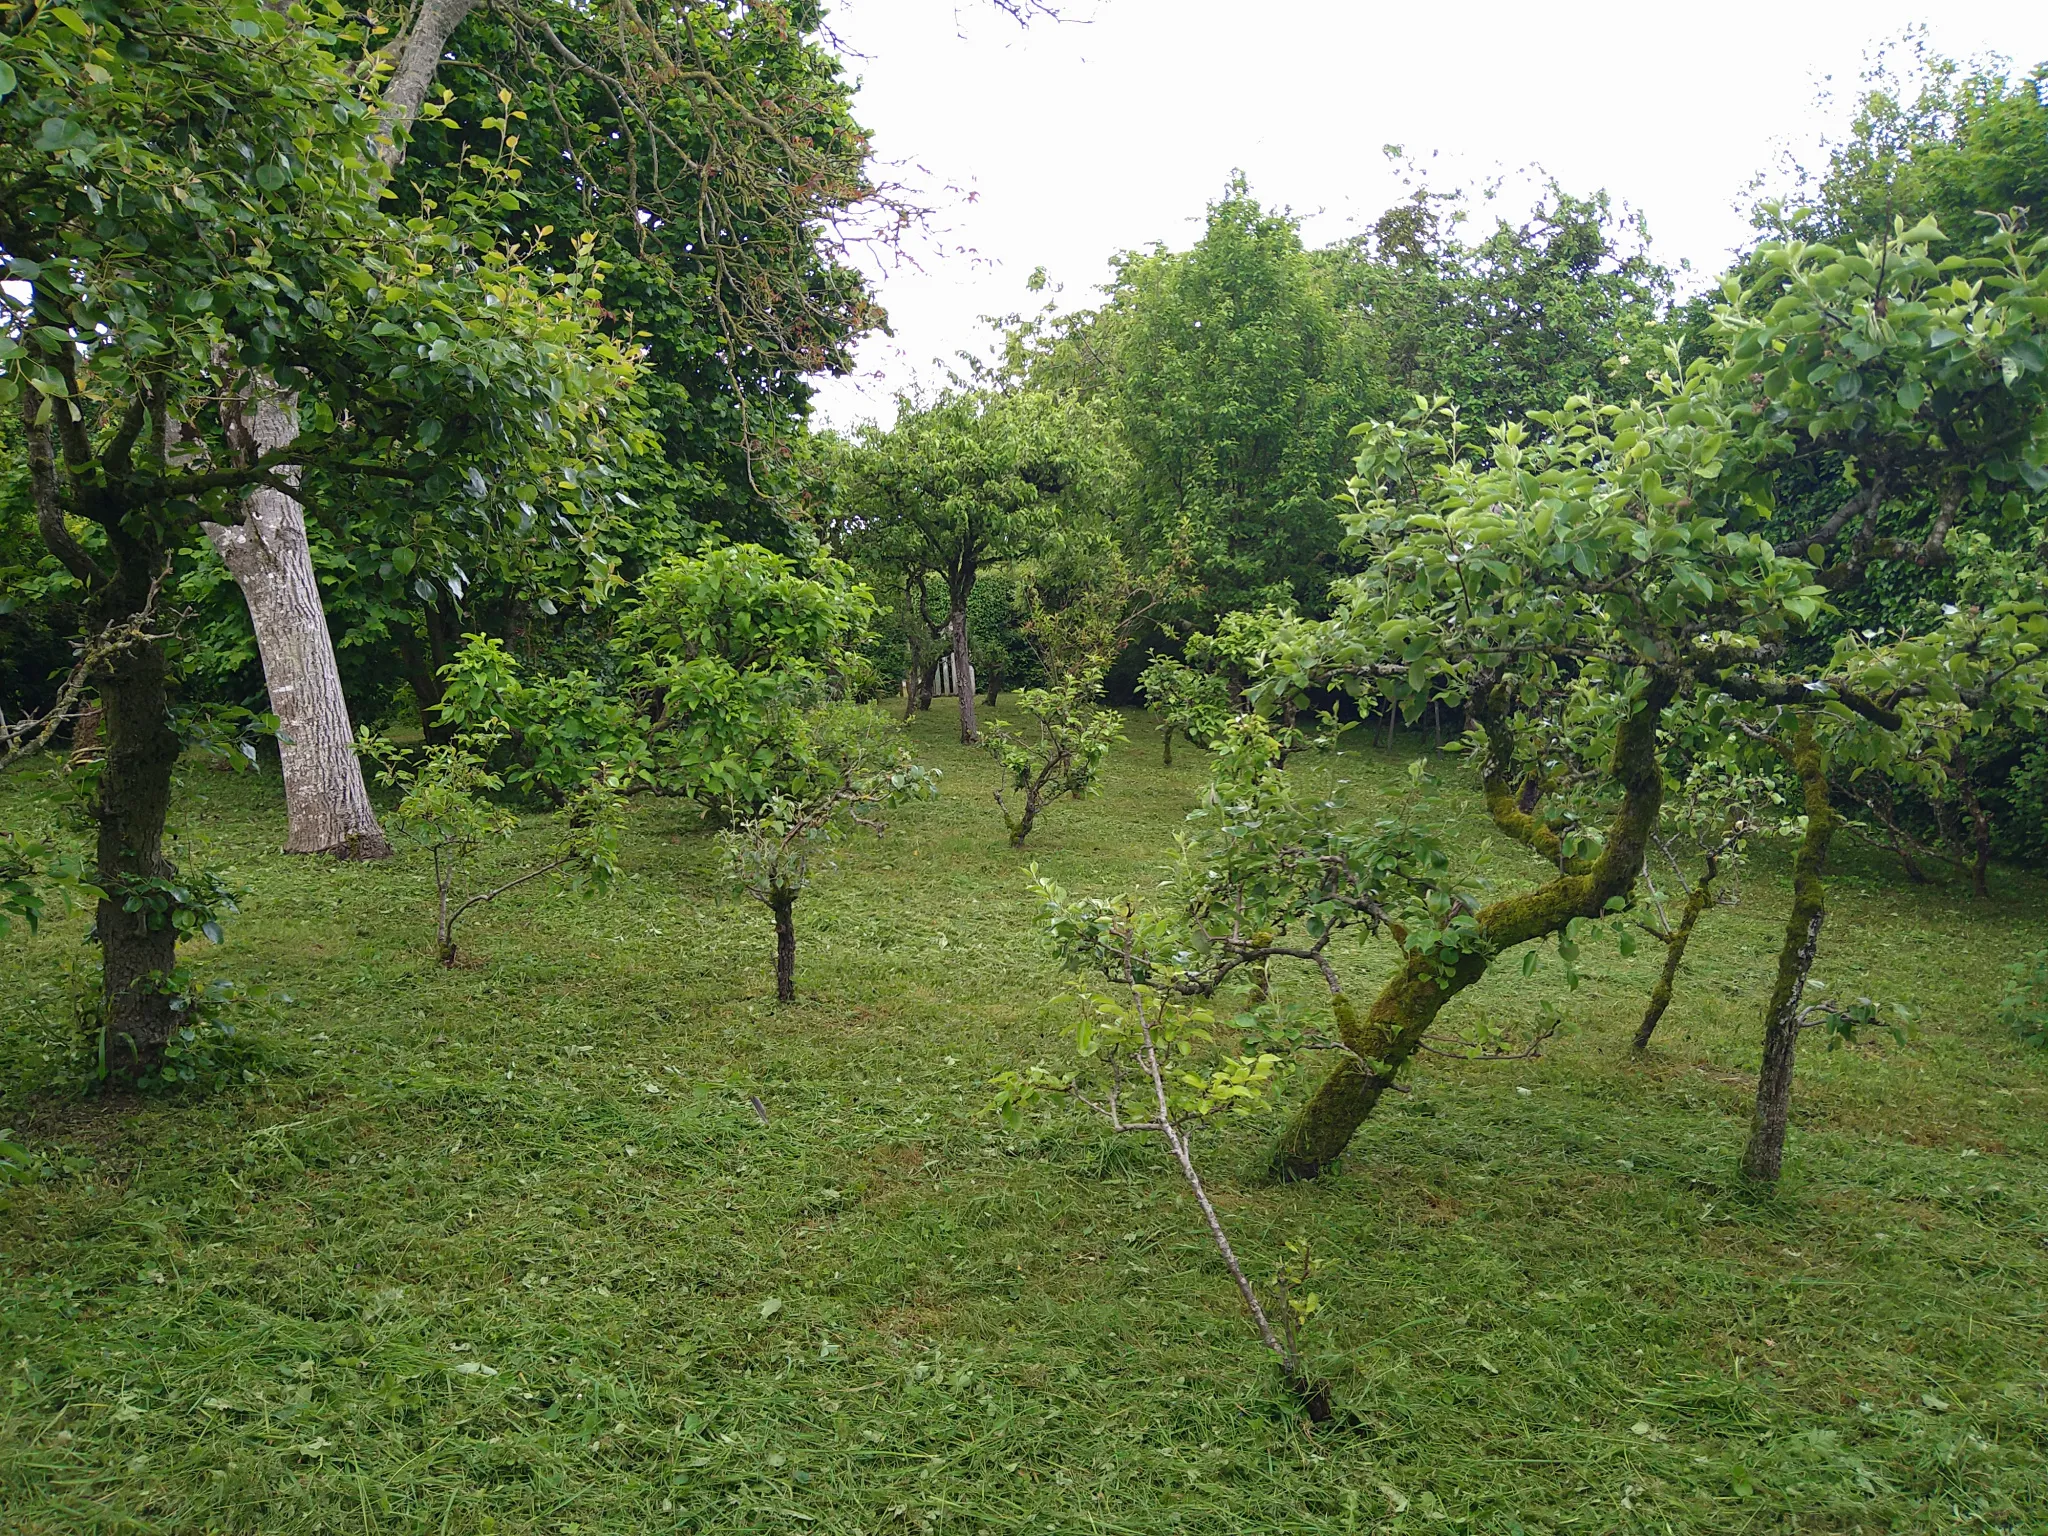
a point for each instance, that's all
(721, 657)
(1060, 753)
(1193, 704)
(1150, 1065)
(848, 772)
(445, 809)
(1266, 872)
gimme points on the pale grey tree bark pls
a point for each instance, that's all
(415, 55)
(963, 675)
(327, 805)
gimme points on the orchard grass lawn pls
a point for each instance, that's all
(507, 1247)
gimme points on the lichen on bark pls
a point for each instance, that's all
(1379, 1044)
(1764, 1157)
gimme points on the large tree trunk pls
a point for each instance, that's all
(1378, 1045)
(784, 908)
(1764, 1158)
(137, 752)
(326, 802)
(963, 674)
(134, 798)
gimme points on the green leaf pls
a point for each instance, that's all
(270, 177)
(7, 80)
(72, 19)
(403, 560)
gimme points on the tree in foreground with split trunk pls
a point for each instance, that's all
(849, 770)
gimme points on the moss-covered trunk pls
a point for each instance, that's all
(1675, 942)
(1380, 1043)
(1765, 1155)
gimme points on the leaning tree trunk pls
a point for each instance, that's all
(963, 675)
(134, 798)
(1674, 953)
(327, 805)
(1378, 1045)
(415, 56)
(783, 905)
(1764, 1158)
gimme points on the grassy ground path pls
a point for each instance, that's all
(506, 1248)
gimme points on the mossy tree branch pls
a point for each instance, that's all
(1381, 1042)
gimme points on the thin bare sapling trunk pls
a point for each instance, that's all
(1675, 941)
(1133, 1048)
(327, 804)
(448, 916)
(1177, 1141)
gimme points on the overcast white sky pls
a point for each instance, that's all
(1068, 142)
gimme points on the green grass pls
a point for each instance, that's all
(1551, 1310)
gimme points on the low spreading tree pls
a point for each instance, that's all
(1190, 703)
(1642, 550)
(1059, 753)
(447, 808)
